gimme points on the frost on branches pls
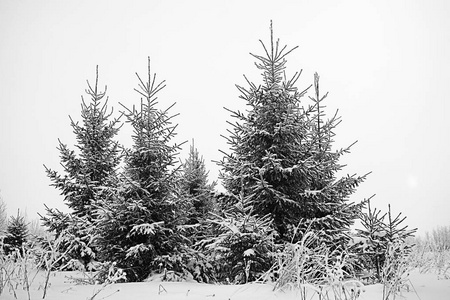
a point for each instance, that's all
(87, 173)
(281, 154)
(194, 185)
(137, 224)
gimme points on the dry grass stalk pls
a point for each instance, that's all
(314, 270)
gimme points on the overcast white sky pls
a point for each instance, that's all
(385, 64)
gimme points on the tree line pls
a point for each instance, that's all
(142, 211)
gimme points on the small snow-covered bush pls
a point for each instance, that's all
(19, 268)
(242, 249)
(186, 265)
(379, 233)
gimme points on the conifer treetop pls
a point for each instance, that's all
(151, 162)
(99, 155)
(281, 157)
(150, 123)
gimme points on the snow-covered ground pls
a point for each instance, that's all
(422, 287)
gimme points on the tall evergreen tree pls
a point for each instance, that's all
(138, 226)
(86, 173)
(99, 155)
(281, 153)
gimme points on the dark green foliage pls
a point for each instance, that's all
(138, 221)
(16, 234)
(380, 232)
(281, 154)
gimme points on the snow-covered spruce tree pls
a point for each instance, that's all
(197, 196)
(86, 173)
(16, 234)
(195, 187)
(281, 155)
(138, 226)
(241, 244)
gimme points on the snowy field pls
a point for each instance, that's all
(422, 287)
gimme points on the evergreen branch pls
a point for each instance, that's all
(93, 92)
(142, 85)
(263, 59)
(236, 114)
(142, 93)
(252, 85)
(287, 53)
(151, 82)
(243, 91)
(159, 87)
(265, 50)
(293, 80)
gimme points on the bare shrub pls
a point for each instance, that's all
(432, 253)
(395, 270)
(18, 269)
(311, 267)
